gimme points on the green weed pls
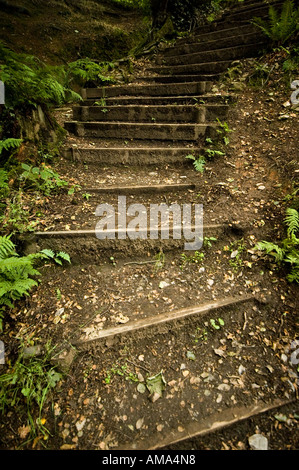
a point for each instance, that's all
(26, 387)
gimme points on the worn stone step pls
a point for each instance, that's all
(217, 421)
(230, 41)
(227, 53)
(151, 113)
(161, 100)
(207, 67)
(162, 319)
(133, 156)
(221, 32)
(250, 11)
(180, 78)
(85, 246)
(139, 188)
(241, 16)
(169, 89)
(141, 131)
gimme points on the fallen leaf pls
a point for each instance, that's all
(24, 431)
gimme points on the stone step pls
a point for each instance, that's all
(221, 33)
(86, 246)
(139, 188)
(231, 20)
(170, 89)
(151, 113)
(160, 100)
(208, 67)
(141, 131)
(132, 156)
(226, 53)
(179, 78)
(163, 318)
(250, 11)
(240, 16)
(230, 41)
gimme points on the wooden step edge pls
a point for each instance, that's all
(142, 124)
(119, 233)
(165, 317)
(154, 188)
(211, 424)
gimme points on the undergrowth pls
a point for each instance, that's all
(282, 25)
(26, 387)
(18, 274)
(286, 252)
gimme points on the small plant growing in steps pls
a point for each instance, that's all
(224, 131)
(199, 161)
(287, 251)
(159, 261)
(217, 324)
(42, 179)
(236, 249)
(122, 371)
(196, 258)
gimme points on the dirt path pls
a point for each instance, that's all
(162, 344)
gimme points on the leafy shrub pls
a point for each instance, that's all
(280, 27)
(29, 82)
(83, 71)
(42, 179)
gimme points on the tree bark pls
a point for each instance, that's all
(159, 12)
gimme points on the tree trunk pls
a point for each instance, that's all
(159, 12)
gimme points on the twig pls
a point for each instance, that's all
(137, 365)
(139, 262)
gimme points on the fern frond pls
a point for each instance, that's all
(199, 164)
(271, 249)
(9, 144)
(64, 256)
(280, 27)
(16, 268)
(293, 276)
(7, 247)
(292, 221)
(14, 290)
(48, 253)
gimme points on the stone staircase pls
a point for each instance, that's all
(146, 129)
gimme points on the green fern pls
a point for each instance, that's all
(271, 249)
(9, 144)
(292, 221)
(30, 82)
(288, 250)
(17, 273)
(198, 162)
(280, 27)
(7, 248)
